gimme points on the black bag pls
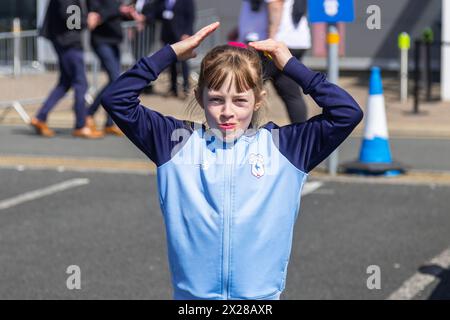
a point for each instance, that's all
(255, 5)
(298, 11)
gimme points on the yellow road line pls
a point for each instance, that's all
(77, 163)
(410, 178)
(147, 167)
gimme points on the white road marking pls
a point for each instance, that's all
(419, 281)
(40, 193)
(310, 187)
(326, 192)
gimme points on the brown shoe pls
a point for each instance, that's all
(90, 122)
(170, 94)
(113, 130)
(184, 96)
(87, 133)
(42, 128)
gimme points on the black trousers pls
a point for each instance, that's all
(174, 75)
(288, 90)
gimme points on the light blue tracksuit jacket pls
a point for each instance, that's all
(230, 209)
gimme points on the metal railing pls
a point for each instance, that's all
(425, 82)
(18, 49)
(19, 54)
(139, 44)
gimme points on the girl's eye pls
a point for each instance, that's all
(241, 101)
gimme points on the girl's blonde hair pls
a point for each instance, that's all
(244, 65)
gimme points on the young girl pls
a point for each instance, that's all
(230, 188)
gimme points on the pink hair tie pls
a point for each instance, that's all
(237, 44)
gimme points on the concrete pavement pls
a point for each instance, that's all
(20, 146)
(431, 122)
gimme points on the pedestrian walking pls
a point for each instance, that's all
(104, 22)
(260, 19)
(68, 46)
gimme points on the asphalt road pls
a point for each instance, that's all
(111, 227)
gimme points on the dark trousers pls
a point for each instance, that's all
(288, 90)
(174, 74)
(72, 74)
(109, 55)
(174, 71)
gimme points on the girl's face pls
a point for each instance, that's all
(228, 111)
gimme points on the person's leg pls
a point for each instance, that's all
(110, 59)
(79, 84)
(298, 53)
(102, 55)
(60, 89)
(186, 71)
(113, 69)
(170, 38)
(289, 92)
(173, 78)
(114, 73)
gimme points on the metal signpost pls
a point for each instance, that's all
(332, 12)
(404, 44)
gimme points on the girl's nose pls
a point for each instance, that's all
(227, 111)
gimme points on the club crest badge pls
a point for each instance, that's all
(257, 163)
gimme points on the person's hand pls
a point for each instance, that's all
(184, 37)
(139, 17)
(184, 49)
(140, 20)
(93, 20)
(126, 11)
(277, 50)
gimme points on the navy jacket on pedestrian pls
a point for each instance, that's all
(181, 23)
(230, 208)
(55, 27)
(110, 30)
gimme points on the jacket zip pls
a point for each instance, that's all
(227, 227)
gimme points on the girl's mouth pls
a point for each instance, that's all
(227, 126)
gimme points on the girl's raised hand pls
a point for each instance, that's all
(278, 51)
(184, 49)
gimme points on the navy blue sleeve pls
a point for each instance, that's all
(106, 10)
(149, 130)
(307, 144)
